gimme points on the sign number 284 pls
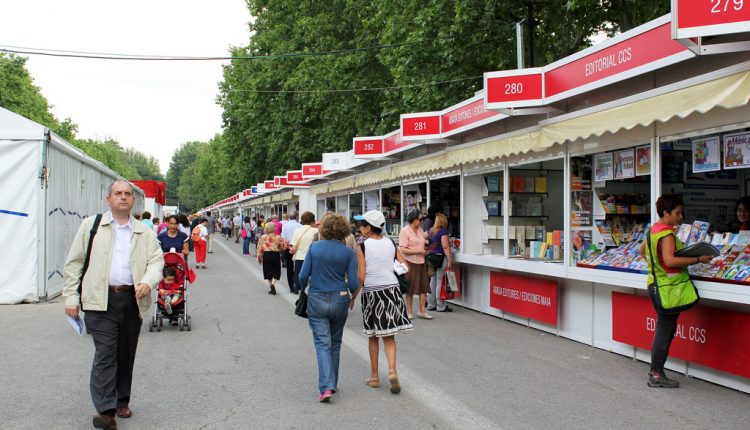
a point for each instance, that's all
(721, 6)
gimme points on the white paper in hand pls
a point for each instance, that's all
(77, 324)
(400, 268)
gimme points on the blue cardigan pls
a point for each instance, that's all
(325, 265)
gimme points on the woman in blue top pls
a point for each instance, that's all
(330, 268)
(173, 238)
(441, 259)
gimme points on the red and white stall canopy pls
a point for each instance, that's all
(382, 146)
(635, 52)
(694, 18)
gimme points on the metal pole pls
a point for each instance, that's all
(519, 45)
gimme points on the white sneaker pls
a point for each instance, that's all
(168, 306)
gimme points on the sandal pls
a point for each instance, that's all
(373, 383)
(395, 385)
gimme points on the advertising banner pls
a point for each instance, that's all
(526, 296)
(706, 154)
(624, 162)
(736, 150)
(603, 167)
(711, 337)
(643, 160)
(581, 209)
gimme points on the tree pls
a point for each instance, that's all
(182, 158)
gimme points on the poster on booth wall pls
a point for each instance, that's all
(706, 154)
(580, 173)
(624, 164)
(581, 208)
(603, 167)
(736, 150)
(643, 160)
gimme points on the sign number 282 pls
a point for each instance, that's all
(721, 6)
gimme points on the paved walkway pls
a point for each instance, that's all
(250, 363)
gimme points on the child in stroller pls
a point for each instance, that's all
(171, 303)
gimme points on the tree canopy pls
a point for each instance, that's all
(411, 55)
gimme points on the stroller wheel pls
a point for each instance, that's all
(188, 323)
(151, 327)
(161, 322)
(158, 327)
(180, 324)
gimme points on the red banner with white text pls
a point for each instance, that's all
(530, 297)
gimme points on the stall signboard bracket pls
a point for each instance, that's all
(544, 110)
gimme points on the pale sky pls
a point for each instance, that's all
(147, 105)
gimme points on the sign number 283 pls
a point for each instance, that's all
(721, 6)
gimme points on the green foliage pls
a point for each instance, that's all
(182, 158)
(19, 94)
(209, 177)
(266, 134)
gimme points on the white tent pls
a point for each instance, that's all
(48, 187)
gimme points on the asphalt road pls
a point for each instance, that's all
(249, 363)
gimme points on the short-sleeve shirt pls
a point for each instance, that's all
(436, 245)
(302, 239)
(167, 243)
(211, 224)
(408, 239)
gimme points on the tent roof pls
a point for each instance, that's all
(16, 127)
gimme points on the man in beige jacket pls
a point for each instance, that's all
(125, 266)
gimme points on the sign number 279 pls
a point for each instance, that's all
(721, 6)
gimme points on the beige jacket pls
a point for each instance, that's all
(146, 264)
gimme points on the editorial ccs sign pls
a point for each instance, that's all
(530, 297)
(711, 337)
(693, 18)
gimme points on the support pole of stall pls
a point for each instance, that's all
(519, 45)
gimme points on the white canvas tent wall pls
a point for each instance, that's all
(48, 187)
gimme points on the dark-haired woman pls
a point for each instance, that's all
(742, 211)
(172, 239)
(383, 308)
(411, 244)
(330, 270)
(668, 269)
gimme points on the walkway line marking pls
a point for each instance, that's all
(449, 409)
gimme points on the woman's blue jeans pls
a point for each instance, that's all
(245, 246)
(326, 314)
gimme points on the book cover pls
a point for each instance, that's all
(521, 234)
(743, 237)
(540, 184)
(500, 234)
(530, 232)
(493, 183)
(540, 234)
(511, 232)
(621, 204)
(556, 238)
(528, 186)
(549, 238)
(493, 208)
(716, 239)
(698, 232)
(491, 231)
(518, 184)
(683, 233)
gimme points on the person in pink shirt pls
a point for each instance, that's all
(411, 243)
(278, 224)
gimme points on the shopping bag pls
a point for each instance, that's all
(445, 292)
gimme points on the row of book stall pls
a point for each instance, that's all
(549, 177)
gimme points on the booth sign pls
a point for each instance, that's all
(692, 18)
(527, 296)
(711, 337)
(419, 126)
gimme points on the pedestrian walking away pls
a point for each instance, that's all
(211, 228)
(247, 234)
(441, 259)
(236, 226)
(301, 240)
(109, 273)
(268, 255)
(288, 228)
(200, 236)
(326, 266)
(664, 268)
(383, 308)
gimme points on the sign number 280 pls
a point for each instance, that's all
(721, 6)
(515, 88)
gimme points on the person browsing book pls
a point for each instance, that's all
(666, 268)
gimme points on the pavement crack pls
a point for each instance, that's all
(230, 412)
(218, 326)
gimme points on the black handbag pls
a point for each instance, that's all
(300, 306)
(403, 283)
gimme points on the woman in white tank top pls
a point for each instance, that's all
(383, 308)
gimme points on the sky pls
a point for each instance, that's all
(147, 105)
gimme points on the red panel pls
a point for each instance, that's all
(514, 88)
(533, 298)
(294, 176)
(368, 147)
(153, 189)
(463, 116)
(269, 185)
(394, 142)
(712, 337)
(420, 126)
(312, 169)
(639, 50)
(692, 13)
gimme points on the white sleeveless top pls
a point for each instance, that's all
(379, 256)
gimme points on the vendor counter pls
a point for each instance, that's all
(611, 311)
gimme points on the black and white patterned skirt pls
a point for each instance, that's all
(384, 312)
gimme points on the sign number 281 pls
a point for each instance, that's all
(721, 6)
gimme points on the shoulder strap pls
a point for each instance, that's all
(92, 233)
(651, 255)
(395, 249)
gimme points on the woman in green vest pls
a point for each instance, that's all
(669, 270)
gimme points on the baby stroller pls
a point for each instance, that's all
(183, 277)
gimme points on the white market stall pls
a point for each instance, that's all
(49, 186)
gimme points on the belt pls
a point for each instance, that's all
(121, 288)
